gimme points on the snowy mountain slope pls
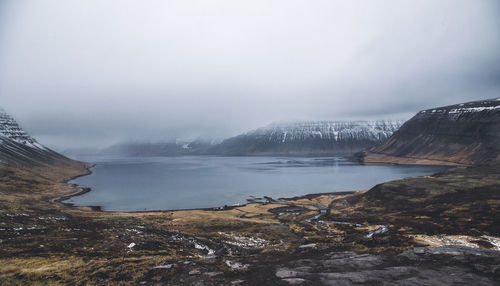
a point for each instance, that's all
(328, 130)
(310, 138)
(10, 129)
(18, 148)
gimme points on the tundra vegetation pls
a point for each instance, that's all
(365, 236)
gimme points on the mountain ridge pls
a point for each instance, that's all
(310, 138)
(299, 138)
(465, 133)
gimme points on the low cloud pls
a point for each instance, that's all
(92, 73)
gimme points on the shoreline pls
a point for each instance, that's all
(79, 190)
(381, 158)
(87, 167)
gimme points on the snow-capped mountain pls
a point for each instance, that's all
(463, 133)
(297, 138)
(310, 138)
(10, 129)
(328, 130)
(18, 148)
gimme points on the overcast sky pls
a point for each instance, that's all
(92, 73)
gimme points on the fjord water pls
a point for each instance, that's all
(168, 183)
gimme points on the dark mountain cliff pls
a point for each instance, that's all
(466, 133)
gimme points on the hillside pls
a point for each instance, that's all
(466, 133)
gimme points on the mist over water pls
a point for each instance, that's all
(168, 183)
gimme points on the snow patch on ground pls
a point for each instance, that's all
(234, 265)
(310, 245)
(131, 246)
(205, 248)
(244, 241)
(459, 240)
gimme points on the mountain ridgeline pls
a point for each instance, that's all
(309, 138)
(466, 133)
(294, 139)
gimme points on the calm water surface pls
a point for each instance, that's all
(167, 183)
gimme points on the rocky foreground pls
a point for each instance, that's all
(437, 230)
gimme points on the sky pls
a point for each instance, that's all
(92, 73)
